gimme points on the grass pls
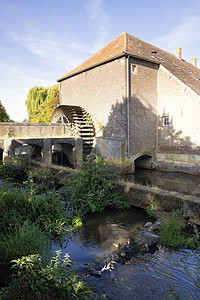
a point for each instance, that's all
(23, 240)
(172, 233)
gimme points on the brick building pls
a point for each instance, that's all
(144, 103)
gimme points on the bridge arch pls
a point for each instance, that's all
(80, 120)
(63, 154)
(144, 161)
(1, 155)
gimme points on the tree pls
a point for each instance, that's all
(4, 117)
(41, 103)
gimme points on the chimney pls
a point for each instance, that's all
(194, 61)
(178, 52)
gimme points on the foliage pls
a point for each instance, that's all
(4, 117)
(23, 240)
(20, 204)
(41, 103)
(15, 168)
(93, 189)
(31, 280)
(152, 210)
(171, 234)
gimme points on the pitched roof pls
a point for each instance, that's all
(126, 44)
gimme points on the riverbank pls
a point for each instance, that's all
(53, 201)
(145, 196)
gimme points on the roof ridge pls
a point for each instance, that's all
(125, 41)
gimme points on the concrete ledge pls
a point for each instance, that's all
(143, 196)
(184, 163)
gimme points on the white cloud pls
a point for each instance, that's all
(51, 48)
(98, 20)
(180, 36)
(14, 87)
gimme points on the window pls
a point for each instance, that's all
(133, 68)
(165, 120)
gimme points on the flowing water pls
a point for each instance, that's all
(159, 274)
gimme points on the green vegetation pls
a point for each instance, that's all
(41, 103)
(34, 214)
(22, 240)
(4, 117)
(92, 189)
(15, 168)
(32, 280)
(174, 233)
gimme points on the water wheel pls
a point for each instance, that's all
(81, 119)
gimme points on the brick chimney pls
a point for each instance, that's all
(178, 52)
(194, 61)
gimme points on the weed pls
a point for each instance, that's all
(152, 210)
(171, 234)
(32, 280)
(23, 240)
(93, 189)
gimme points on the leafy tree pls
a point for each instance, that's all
(4, 117)
(41, 102)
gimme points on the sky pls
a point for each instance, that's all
(42, 40)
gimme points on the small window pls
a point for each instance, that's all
(133, 68)
(165, 120)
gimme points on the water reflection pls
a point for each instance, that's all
(163, 274)
(101, 234)
(173, 181)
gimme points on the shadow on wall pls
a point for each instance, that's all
(142, 124)
(172, 141)
(146, 130)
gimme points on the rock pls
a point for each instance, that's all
(155, 226)
(144, 239)
(148, 224)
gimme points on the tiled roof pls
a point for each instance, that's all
(128, 44)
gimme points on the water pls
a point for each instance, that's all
(161, 274)
(171, 181)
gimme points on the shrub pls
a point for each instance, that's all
(31, 280)
(93, 188)
(15, 168)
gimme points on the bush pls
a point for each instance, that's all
(93, 188)
(15, 168)
(31, 280)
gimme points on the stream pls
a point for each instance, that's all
(160, 274)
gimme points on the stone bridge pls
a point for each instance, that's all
(45, 140)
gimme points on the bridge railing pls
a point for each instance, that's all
(11, 130)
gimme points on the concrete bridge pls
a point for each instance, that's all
(47, 141)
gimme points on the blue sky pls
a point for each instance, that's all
(41, 40)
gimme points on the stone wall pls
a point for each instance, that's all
(144, 196)
(30, 130)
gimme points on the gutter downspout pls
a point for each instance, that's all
(128, 107)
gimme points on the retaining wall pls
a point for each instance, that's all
(144, 196)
